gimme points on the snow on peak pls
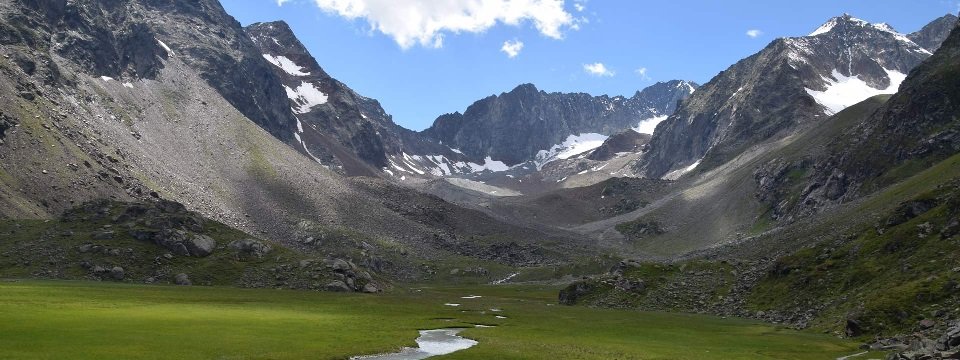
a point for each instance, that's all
(844, 91)
(306, 96)
(573, 145)
(287, 65)
(646, 126)
(825, 28)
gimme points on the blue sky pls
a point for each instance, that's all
(677, 39)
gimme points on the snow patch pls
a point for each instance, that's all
(646, 126)
(128, 85)
(106, 78)
(306, 96)
(165, 47)
(676, 174)
(286, 64)
(489, 164)
(573, 145)
(844, 91)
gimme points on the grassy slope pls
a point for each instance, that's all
(98, 321)
(888, 277)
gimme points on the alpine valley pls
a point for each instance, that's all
(176, 185)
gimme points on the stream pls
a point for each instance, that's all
(430, 343)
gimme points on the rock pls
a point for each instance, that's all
(338, 286)
(85, 248)
(200, 245)
(370, 288)
(926, 324)
(454, 271)
(251, 247)
(117, 273)
(184, 243)
(340, 265)
(150, 280)
(103, 235)
(182, 279)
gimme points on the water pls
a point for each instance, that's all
(430, 343)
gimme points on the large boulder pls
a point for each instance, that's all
(338, 286)
(250, 247)
(117, 273)
(185, 243)
(182, 279)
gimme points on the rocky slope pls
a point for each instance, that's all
(161, 242)
(791, 82)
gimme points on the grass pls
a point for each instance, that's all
(88, 320)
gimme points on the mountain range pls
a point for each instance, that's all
(175, 124)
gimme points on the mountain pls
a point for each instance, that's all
(143, 101)
(848, 227)
(135, 39)
(915, 128)
(934, 33)
(520, 125)
(336, 126)
(790, 83)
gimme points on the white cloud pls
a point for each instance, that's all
(280, 2)
(642, 73)
(576, 5)
(754, 33)
(598, 69)
(424, 22)
(512, 48)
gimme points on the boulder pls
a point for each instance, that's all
(181, 242)
(182, 279)
(339, 265)
(251, 247)
(200, 245)
(338, 286)
(117, 273)
(370, 288)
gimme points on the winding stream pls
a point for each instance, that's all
(430, 343)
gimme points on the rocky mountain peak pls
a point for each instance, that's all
(934, 33)
(517, 126)
(793, 81)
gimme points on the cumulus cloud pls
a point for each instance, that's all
(598, 69)
(512, 48)
(754, 33)
(642, 73)
(424, 22)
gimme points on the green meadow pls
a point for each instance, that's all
(90, 320)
